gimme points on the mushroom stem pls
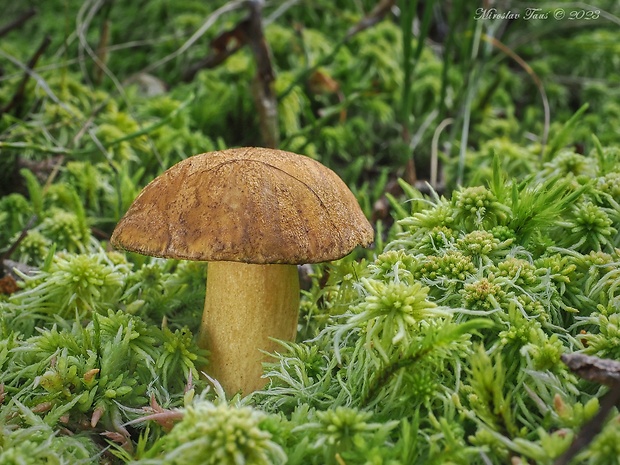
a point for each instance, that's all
(245, 306)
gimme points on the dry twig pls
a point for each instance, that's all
(19, 21)
(18, 97)
(603, 371)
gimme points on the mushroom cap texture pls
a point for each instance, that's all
(252, 205)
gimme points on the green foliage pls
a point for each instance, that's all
(345, 433)
(15, 212)
(217, 434)
(38, 442)
(73, 285)
(442, 346)
(94, 373)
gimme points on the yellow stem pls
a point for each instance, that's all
(245, 306)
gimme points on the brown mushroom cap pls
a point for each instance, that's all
(252, 205)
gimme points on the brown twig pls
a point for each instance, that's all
(223, 46)
(19, 21)
(258, 44)
(19, 93)
(601, 371)
(589, 431)
(211, 61)
(598, 370)
(248, 31)
(7, 254)
(377, 14)
(102, 47)
(102, 51)
(264, 96)
(537, 81)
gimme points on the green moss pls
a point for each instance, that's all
(440, 345)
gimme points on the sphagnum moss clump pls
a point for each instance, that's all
(482, 295)
(478, 208)
(38, 443)
(486, 265)
(589, 229)
(73, 284)
(15, 212)
(66, 229)
(610, 184)
(340, 429)
(220, 434)
(33, 248)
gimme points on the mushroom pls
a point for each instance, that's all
(253, 214)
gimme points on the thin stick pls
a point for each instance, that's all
(264, 96)
(19, 93)
(21, 19)
(541, 89)
(469, 95)
(83, 23)
(598, 370)
(589, 431)
(197, 35)
(102, 50)
(374, 17)
(68, 151)
(7, 254)
(40, 82)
